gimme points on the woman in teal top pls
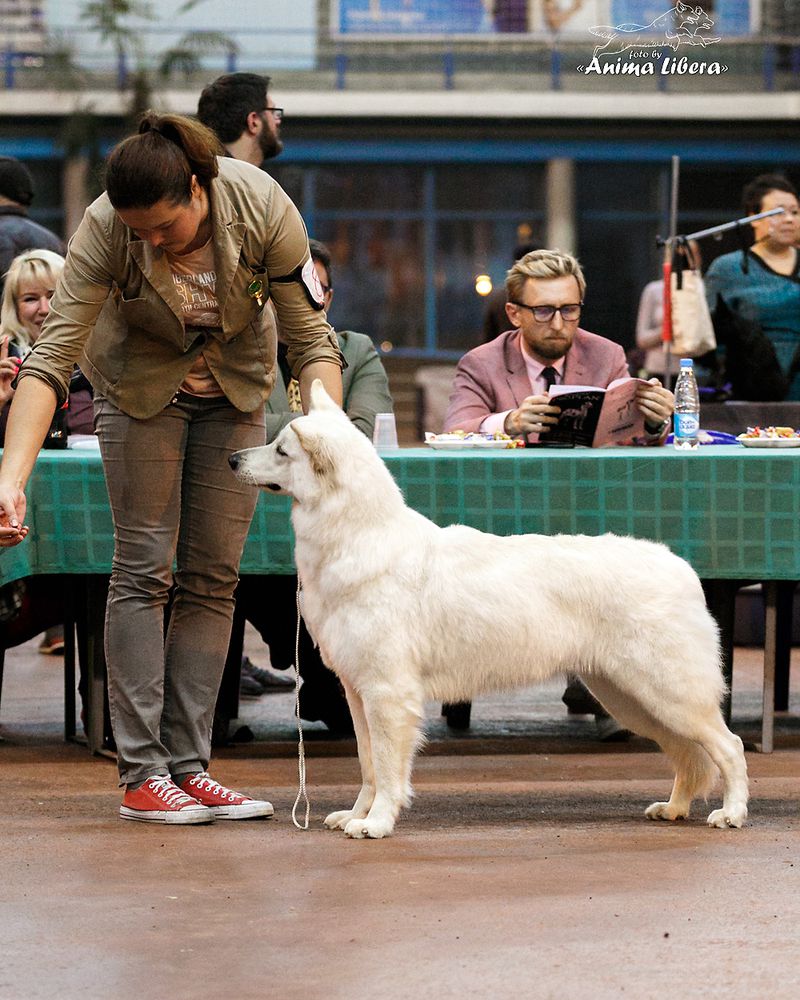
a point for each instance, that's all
(763, 285)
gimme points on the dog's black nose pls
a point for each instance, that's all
(233, 461)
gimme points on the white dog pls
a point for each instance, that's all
(405, 611)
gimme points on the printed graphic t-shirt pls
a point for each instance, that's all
(195, 281)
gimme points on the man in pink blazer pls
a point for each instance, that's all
(503, 385)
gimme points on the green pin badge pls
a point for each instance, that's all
(256, 291)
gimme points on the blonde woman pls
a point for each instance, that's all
(29, 286)
(30, 283)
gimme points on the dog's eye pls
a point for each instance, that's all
(281, 451)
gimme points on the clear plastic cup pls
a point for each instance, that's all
(384, 436)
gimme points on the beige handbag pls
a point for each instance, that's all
(692, 329)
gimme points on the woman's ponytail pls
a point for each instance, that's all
(158, 163)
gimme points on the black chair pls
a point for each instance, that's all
(29, 606)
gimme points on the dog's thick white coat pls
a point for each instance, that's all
(405, 611)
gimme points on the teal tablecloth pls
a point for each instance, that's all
(732, 512)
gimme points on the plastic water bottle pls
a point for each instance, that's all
(687, 407)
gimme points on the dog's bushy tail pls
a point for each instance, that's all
(697, 772)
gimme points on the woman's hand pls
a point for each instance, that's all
(12, 513)
(8, 372)
(28, 421)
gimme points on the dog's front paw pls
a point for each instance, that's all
(665, 810)
(724, 818)
(338, 820)
(372, 829)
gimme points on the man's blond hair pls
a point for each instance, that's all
(543, 264)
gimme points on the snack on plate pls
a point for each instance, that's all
(474, 438)
(770, 432)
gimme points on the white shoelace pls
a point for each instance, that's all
(204, 782)
(166, 789)
(301, 750)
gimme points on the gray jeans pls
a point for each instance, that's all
(173, 499)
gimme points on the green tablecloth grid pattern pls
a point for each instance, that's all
(732, 514)
(271, 540)
(69, 516)
(71, 524)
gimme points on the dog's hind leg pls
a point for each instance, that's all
(339, 820)
(694, 775)
(697, 753)
(694, 770)
(726, 750)
(393, 719)
(697, 742)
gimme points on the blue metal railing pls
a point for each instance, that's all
(769, 63)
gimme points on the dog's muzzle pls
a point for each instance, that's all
(238, 462)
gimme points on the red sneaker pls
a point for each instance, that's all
(223, 802)
(159, 800)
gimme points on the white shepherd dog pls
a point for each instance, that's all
(405, 611)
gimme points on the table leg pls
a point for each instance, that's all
(228, 696)
(770, 655)
(457, 714)
(2, 661)
(721, 602)
(783, 642)
(227, 706)
(91, 597)
(69, 667)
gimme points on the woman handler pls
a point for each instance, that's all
(160, 301)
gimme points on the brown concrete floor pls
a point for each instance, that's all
(529, 872)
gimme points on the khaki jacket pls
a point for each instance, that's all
(116, 313)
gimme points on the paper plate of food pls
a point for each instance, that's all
(770, 437)
(459, 440)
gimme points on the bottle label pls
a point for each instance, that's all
(687, 424)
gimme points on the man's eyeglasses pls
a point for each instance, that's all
(543, 314)
(277, 113)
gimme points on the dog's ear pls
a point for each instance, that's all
(320, 400)
(315, 447)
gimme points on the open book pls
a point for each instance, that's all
(597, 417)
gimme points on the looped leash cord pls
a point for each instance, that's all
(301, 750)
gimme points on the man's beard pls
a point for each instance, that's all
(270, 144)
(553, 350)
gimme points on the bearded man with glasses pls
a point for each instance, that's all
(239, 108)
(503, 386)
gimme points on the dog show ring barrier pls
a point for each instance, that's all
(733, 513)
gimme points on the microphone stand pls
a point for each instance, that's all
(727, 226)
(674, 241)
(669, 246)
